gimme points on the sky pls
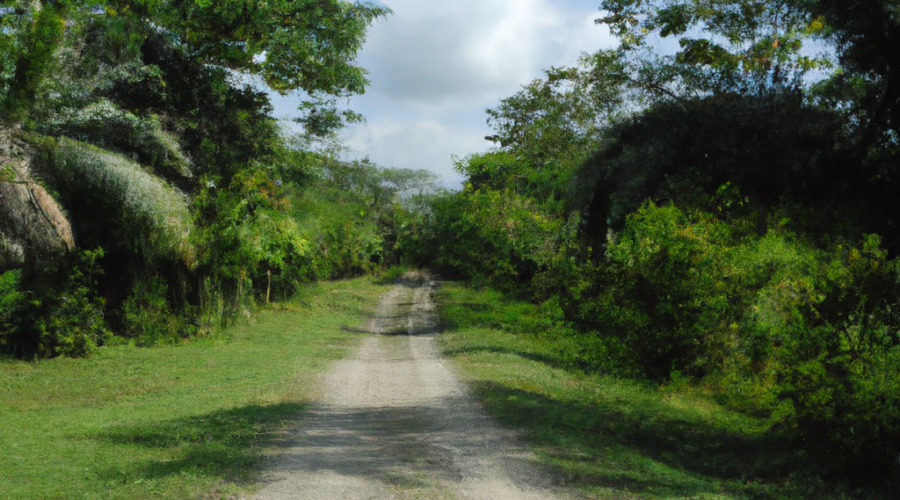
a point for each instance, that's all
(435, 66)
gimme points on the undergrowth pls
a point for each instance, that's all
(615, 437)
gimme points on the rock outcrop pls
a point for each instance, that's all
(34, 230)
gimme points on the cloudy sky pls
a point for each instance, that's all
(435, 66)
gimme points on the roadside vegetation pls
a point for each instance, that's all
(722, 218)
(149, 195)
(720, 222)
(617, 437)
(175, 421)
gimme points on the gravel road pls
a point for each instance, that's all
(394, 422)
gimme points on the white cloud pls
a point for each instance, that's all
(441, 53)
(582, 34)
(436, 65)
(446, 54)
(417, 145)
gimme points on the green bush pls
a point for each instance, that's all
(771, 325)
(147, 315)
(489, 236)
(10, 305)
(663, 294)
(350, 249)
(821, 353)
(67, 321)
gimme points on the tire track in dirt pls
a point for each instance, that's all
(393, 422)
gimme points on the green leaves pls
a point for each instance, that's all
(674, 20)
(705, 53)
(545, 130)
(34, 36)
(70, 322)
(321, 118)
(742, 46)
(308, 44)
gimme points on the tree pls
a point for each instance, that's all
(730, 46)
(138, 116)
(727, 154)
(866, 92)
(549, 127)
(309, 45)
(865, 34)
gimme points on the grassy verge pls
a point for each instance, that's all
(176, 422)
(608, 437)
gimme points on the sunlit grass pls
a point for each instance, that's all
(610, 437)
(174, 422)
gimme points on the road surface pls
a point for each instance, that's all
(394, 422)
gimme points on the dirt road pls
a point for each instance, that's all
(393, 422)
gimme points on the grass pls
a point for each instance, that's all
(613, 438)
(187, 421)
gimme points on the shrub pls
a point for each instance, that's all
(772, 325)
(662, 294)
(67, 321)
(147, 316)
(822, 355)
(10, 305)
(489, 236)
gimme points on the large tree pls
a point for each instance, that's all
(724, 46)
(148, 124)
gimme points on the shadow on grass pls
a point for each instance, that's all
(640, 449)
(218, 444)
(350, 329)
(548, 360)
(475, 307)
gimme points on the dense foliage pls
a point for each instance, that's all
(723, 216)
(138, 136)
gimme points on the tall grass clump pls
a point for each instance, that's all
(119, 191)
(104, 124)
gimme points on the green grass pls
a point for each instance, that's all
(186, 421)
(609, 437)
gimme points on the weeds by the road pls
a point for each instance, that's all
(609, 437)
(175, 422)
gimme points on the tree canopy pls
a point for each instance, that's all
(147, 123)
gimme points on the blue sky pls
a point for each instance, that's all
(435, 66)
